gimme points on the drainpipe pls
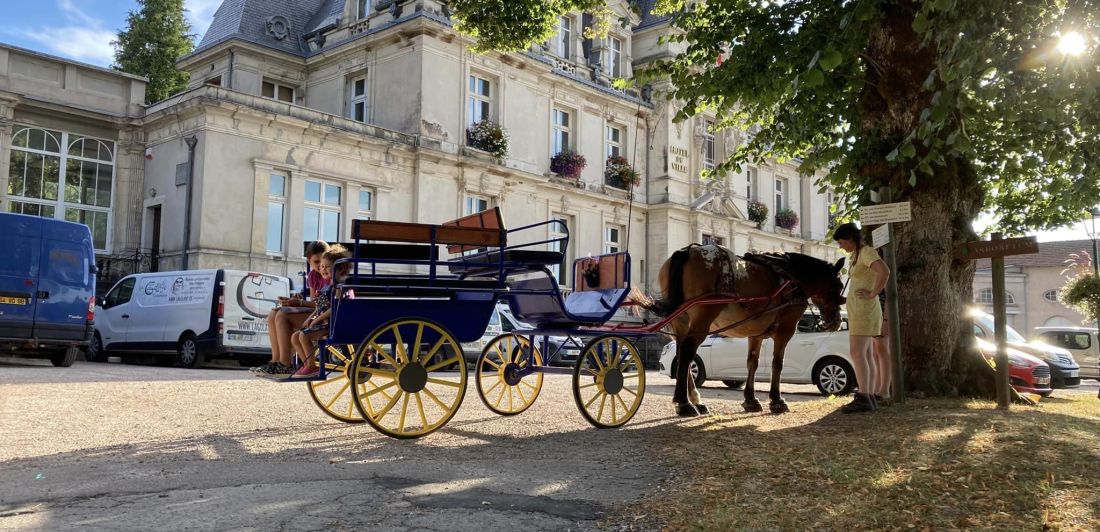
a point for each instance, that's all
(191, 141)
(648, 201)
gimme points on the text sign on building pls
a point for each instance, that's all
(886, 213)
(678, 159)
(985, 249)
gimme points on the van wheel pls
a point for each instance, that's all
(65, 358)
(187, 352)
(95, 353)
(734, 385)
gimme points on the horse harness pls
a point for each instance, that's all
(791, 293)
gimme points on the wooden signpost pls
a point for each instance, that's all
(996, 250)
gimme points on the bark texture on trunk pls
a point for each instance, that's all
(933, 289)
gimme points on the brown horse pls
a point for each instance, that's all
(699, 270)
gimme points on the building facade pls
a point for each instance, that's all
(71, 139)
(301, 117)
(1032, 285)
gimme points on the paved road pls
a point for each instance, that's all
(127, 447)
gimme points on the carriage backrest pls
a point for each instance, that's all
(488, 219)
(454, 236)
(607, 272)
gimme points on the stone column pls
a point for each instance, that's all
(7, 120)
(128, 211)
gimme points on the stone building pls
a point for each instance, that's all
(307, 115)
(1032, 284)
(303, 116)
(71, 142)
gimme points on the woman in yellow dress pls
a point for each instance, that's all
(867, 277)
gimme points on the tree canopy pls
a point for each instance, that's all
(156, 35)
(958, 106)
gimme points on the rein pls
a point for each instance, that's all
(767, 309)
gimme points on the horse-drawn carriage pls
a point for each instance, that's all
(393, 357)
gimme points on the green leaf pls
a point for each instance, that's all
(830, 60)
(814, 78)
(920, 23)
(908, 150)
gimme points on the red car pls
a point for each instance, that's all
(1026, 373)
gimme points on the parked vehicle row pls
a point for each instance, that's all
(821, 358)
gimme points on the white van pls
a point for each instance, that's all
(192, 315)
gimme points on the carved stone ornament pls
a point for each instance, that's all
(278, 26)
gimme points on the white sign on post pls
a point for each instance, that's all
(881, 236)
(885, 213)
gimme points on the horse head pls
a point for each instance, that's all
(821, 283)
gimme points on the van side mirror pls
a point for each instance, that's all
(93, 269)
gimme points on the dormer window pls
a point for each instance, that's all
(362, 9)
(614, 56)
(562, 46)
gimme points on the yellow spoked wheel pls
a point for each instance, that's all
(609, 381)
(498, 381)
(334, 394)
(401, 378)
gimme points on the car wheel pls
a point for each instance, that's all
(734, 385)
(187, 352)
(698, 372)
(834, 376)
(95, 352)
(65, 357)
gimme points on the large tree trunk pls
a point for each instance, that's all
(933, 289)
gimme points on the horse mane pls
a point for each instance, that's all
(791, 265)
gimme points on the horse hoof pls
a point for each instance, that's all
(703, 410)
(686, 410)
(779, 407)
(752, 406)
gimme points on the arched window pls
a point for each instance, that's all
(1051, 295)
(75, 183)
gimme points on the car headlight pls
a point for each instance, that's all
(1018, 362)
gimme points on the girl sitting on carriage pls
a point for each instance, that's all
(316, 325)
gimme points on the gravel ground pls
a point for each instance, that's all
(127, 447)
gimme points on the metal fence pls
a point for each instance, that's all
(118, 265)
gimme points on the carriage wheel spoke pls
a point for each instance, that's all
(603, 401)
(596, 357)
(420, 408)
(380, 389)
(491, 363)
(599, 394)
(529, 385)
(415, 347)
(435, 398)
(589, 385)
(385, 355)
(442, 382)
(511, 405)
(404, 412)
(626, 408)
(338, 394)
(389, 406)
(519, 391)
(318, 384)
(493, 387)
(434, 348)
(441, 364)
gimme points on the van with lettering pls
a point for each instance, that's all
(47, 287)
(188, 316)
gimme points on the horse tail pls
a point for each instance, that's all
(674, 292)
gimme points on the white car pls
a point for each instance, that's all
(819, 358)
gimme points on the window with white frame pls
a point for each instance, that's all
(780, 194)
(614, 56)
(612, 238)
(563, 43)
(366, 204)
(321, 211)
(357, 98)
(479, 102)
(362, 9)
(54, 174)
(985, 296)
(750, 183)
(276, 212)
(560, 271)
(561, 138)
(475, 204)
(277, 90)
(614, 140)
(1051, 295)
(708, 145)
(709, 239)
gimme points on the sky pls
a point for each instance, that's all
(82, 30)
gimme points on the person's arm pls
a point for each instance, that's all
(322, 317)
(882, 274)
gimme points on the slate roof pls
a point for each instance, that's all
(247, 20)
(1050, 254)
(645, 7)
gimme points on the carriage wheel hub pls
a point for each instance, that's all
(412, 377)
(613, 381)
(510, 374)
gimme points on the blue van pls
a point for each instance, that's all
(47, 287)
